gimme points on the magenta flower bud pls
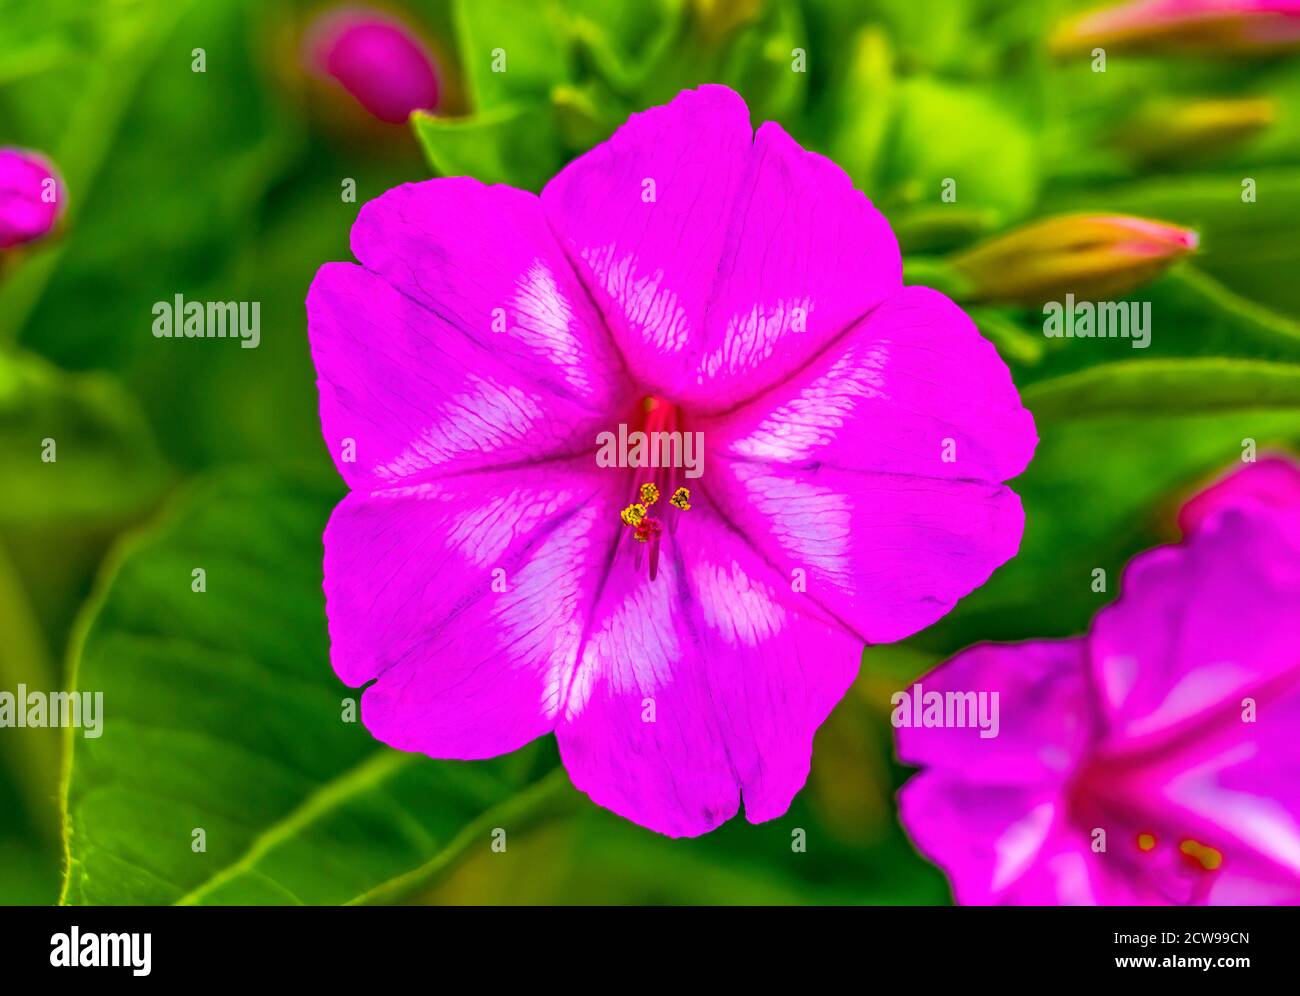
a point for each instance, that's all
(1221, 26)
(377, 59)
(31, 197)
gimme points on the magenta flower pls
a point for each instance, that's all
(377, 59)
(31, 197)
(682, 629)
(1166, 734)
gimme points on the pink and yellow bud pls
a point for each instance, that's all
(32, 197)
(718, 18)
(1089, 255)
(1237, 27)
(1168, 131)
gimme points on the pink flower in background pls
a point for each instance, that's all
(1272, 481)
(377, 59)
(31, 197)
(683, 630)
(1232, 26)
(1171, 726)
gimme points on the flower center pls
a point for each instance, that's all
(662, 456)
(1177, 863)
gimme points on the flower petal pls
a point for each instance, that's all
(469, 253)
(1044, 714)
(1012, 845)
(884, 555)
(723, 260)
(876, 469)
(1198, 626)
(1230, 784)
(464, 601)
(995, 843)
(913, 390)
(1273, 481)
(992, 812)
(735, 681)
(407, 396)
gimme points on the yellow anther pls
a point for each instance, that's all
(649, 494)
(681, 499)
(632, 515)
(1146, 842)
(1208, 858)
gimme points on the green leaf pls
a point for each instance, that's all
(30, 877)
(168, 172)
(77, 460)
(105, 464)
(32, 754)
(1102, 486)
(864, 103)
(585, 115)
(623, 39)
(1125, 436)
(37, 37)
(221, 713)
(527, 36)
(986, 151)
(758, 64)
(1199, 315)
(860, 855)
(518, 145)
(1191, 315)
(1166, 387)
(99, 89)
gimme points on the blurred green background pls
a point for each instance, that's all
(221, 710)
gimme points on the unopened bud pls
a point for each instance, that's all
(1166, 131)
(1089, 255)
(1238, 27)
(31, 197)
(377, 59)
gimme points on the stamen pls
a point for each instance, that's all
(1146, 842)
(1207, 858)
(659, 416)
